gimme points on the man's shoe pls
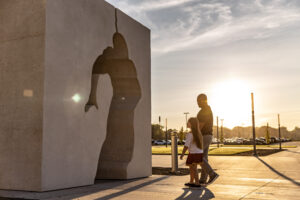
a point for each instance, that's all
(196, 186)
(202, 183)
(212, 179)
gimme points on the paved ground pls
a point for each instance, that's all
(272, 177)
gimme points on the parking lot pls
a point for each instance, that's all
(231, 141)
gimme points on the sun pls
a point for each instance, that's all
(231, 100)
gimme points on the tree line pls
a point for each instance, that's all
(158, 132)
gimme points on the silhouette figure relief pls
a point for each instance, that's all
(118, 146)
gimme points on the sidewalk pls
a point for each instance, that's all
(271, 177)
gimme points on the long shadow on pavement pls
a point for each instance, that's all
(293, 151)
(110, 196)
(77, 192)
(200, 194)
(277, 172)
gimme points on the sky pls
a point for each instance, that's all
(226, 49)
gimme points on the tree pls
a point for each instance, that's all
(181, 135)
(157, 132)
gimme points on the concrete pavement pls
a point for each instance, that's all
(272, 177)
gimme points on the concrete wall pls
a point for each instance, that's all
(77, 32)
(22, 44)
(45, 81)
(138, 40)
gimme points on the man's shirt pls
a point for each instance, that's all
(205, 116)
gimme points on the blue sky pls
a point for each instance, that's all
(226, 49)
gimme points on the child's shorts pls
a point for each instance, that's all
(194, 158)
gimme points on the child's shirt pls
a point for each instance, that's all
(191, 144)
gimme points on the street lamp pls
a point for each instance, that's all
(222, 134)
(253, 125)
(218, 131)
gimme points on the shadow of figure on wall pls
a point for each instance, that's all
(117, 149)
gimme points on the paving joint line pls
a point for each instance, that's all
(264, 185)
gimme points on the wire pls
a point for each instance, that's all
(116, 20)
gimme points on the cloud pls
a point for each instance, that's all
(148, 5)
(191, 24)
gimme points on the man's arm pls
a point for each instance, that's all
(201, 119)
(201, 125)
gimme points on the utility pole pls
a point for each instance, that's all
(159, 120)
(253, 126)
(186, 114)
(166, 132)
(222, 134)
(279, 131)
(218, 131)
(267, 137)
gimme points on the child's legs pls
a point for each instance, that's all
(196, 176)
(192, 176)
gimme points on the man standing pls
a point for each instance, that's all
(205, 118)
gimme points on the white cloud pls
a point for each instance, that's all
(189, 24)
(199, 24)
(225, 28)
(148, 5)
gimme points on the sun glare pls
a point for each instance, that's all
(231, 101)
(76, 98)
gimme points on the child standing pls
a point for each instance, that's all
(194, 144)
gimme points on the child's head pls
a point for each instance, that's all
(193, 125)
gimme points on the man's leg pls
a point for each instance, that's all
(206, 170)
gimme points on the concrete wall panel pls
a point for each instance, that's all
(47, 50)
(72, 138)
(138, 40)
(22, 46)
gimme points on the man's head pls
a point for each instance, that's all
(202, 100)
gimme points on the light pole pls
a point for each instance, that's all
(159, 120)
(253, 126)
(222, 134)
(186, 114)
(218, 131)
(166, 132)
(279, 134)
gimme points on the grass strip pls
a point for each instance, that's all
(212, 151)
